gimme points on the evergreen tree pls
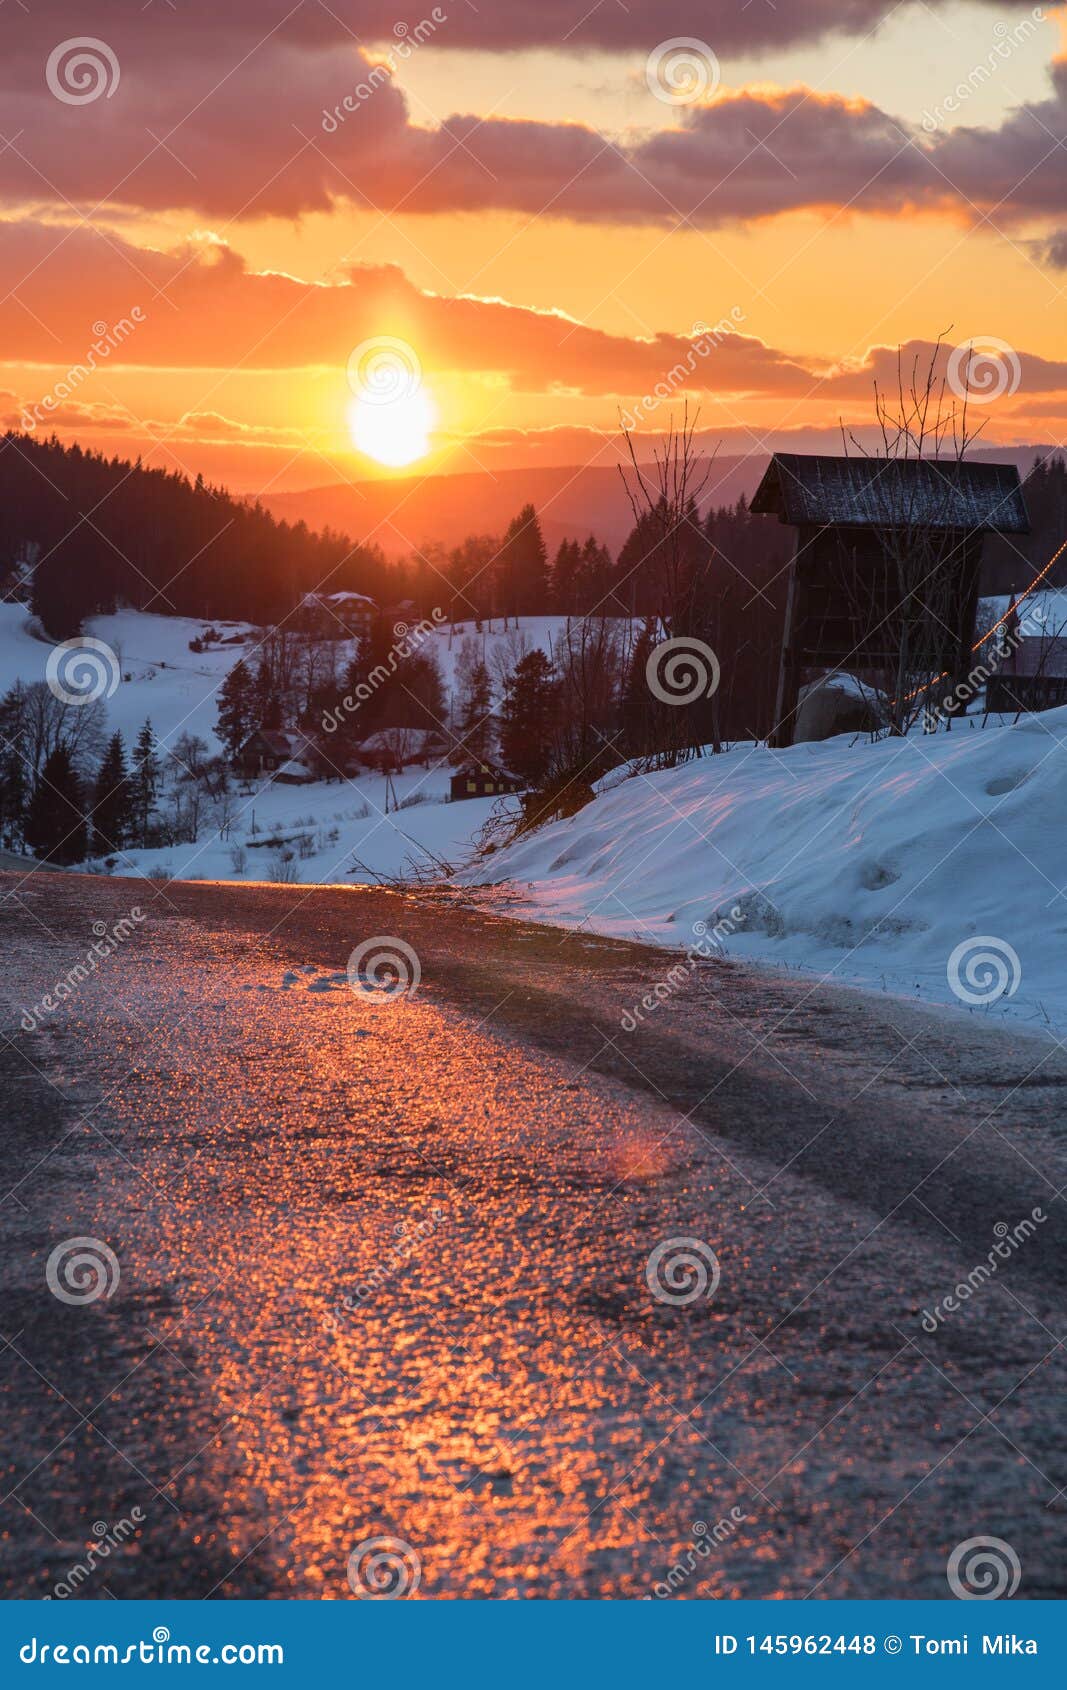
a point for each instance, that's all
(529, 717)
(595, 581)
(237, 707)
(524, 565)
(266, 703)
(145, 779)
(113, 800)
(639, 704)
(475, 728)
(55, 819)
(565, 578)
(14, 781)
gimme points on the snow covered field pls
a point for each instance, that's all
(346, 820)
(883, 865)
(879, 864)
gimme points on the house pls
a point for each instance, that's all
(264, 751)
(483, 780)
(336, 616)
(293, 757)
(392, 749)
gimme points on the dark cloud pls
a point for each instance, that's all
(216, 31)
(232, 119)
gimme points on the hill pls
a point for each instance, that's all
(405, 512)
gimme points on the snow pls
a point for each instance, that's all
(177, 688)
(1045, 608)
(347, 830)
(878, 864)
(870, 862)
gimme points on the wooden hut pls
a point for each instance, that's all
(856, 521)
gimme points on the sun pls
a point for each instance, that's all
(396, 433)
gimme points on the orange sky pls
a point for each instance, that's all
(474, 239)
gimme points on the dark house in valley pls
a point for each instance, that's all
(294, 758)
(336, 616)
(483, 780)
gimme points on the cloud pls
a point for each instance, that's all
(225, 33)
(200, 306)
(241, 111)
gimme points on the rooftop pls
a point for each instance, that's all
(801, 488)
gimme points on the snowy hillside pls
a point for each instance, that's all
(878, 864)
(177, 688)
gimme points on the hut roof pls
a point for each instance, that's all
(801, 488)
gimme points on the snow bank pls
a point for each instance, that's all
(878, 864)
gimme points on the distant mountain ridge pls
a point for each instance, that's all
(405, 513)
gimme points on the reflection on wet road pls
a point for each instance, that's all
(417, 1270)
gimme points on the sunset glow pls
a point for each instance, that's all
(395, 434)
(832, 182)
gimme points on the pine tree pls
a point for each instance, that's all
(475, 731)
(13, 773)
(267, 706)
(55, 819)
(237, 707)
(145, 779)
(565, 578)
(113, 800)
(524, 565)
(638, 702)
(529, 716)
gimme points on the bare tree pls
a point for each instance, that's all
(665, 500)
(913, 592)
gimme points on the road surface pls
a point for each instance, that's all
(407, 1266)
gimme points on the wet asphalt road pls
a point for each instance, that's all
(383, 1266)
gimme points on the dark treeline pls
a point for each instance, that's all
(107, 533)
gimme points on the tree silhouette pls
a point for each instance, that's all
(55, 820)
